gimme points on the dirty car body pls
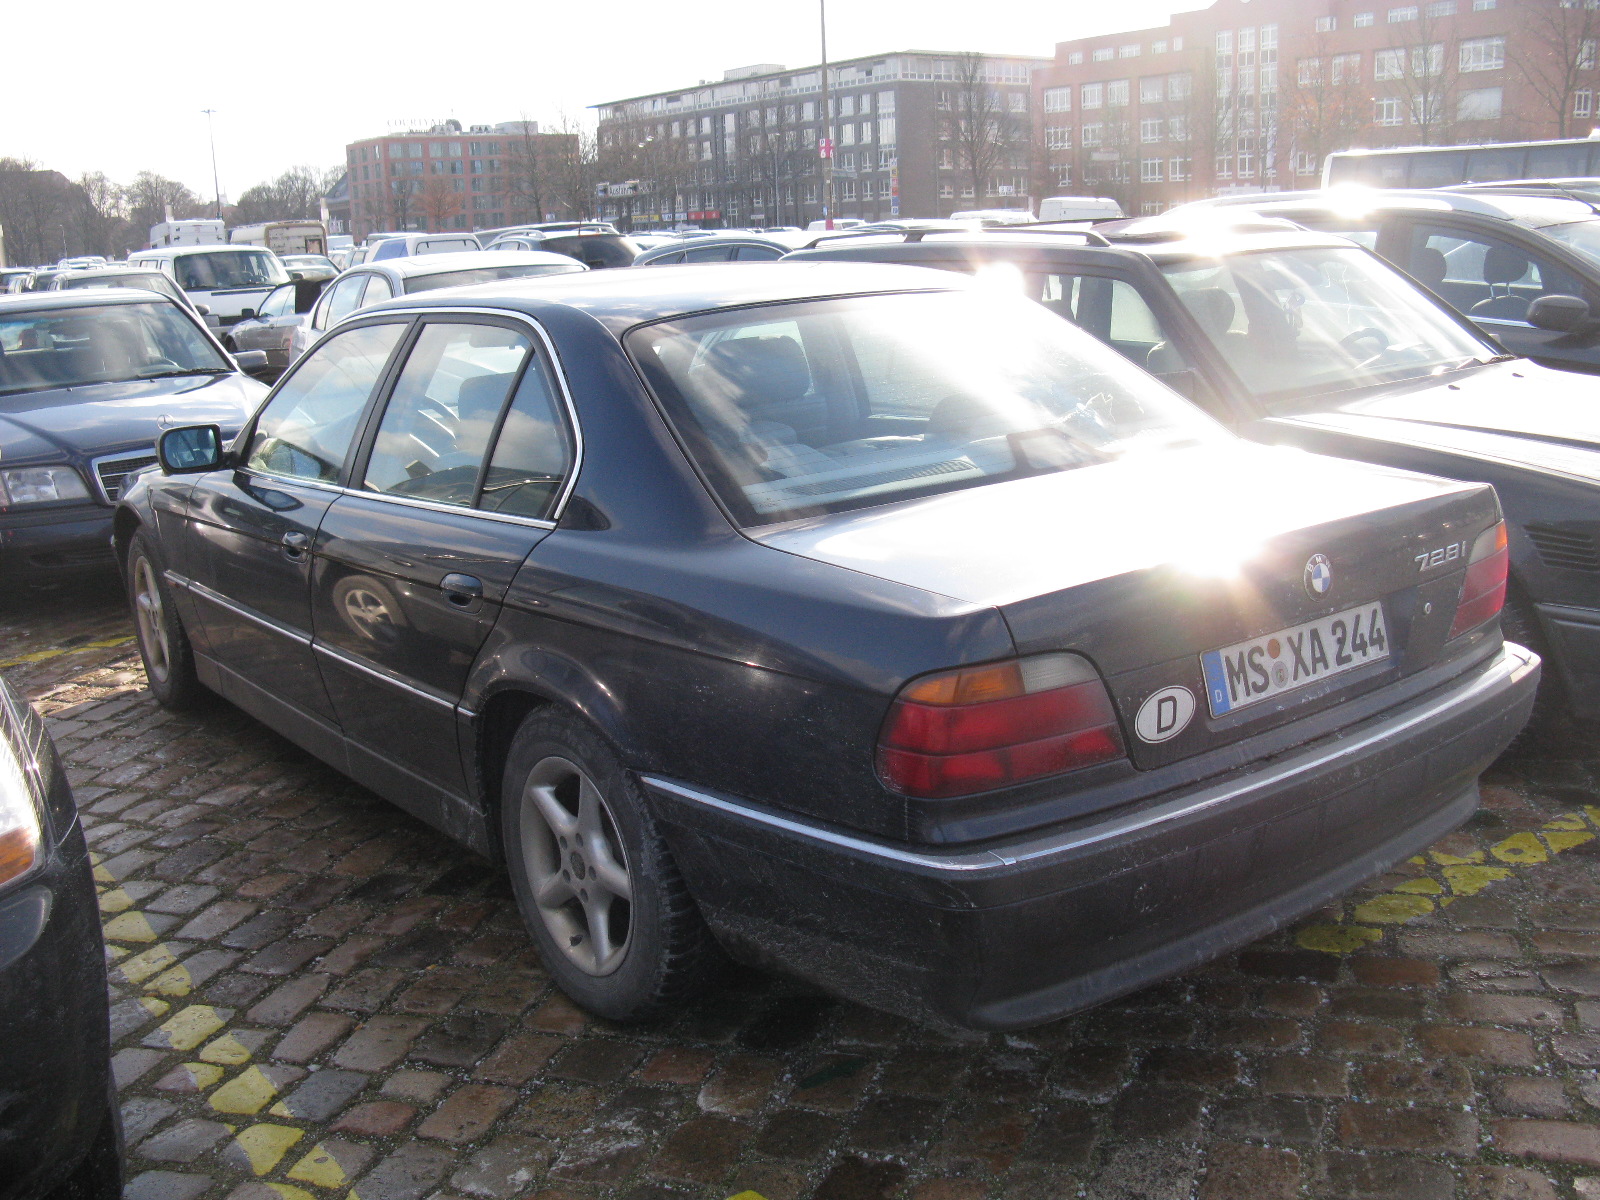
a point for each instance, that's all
(953, 670)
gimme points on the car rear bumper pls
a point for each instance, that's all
(50, 544)
(1015, 933)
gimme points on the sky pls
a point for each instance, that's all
(119, 88)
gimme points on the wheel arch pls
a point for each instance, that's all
(124, 524)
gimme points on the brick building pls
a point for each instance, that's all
(1251, 95)
(447, 177)
(914, 133)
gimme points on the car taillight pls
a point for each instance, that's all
(1483, 588)
(985, 727)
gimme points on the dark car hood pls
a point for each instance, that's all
(1516, 412)
(1001, 543)
(104, 417)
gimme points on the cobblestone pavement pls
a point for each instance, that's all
(316, 996)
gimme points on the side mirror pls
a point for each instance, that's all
(203, 309)
(296, 276)
(1562, 314)
(190, 449)
(251, 360)
(246, 313)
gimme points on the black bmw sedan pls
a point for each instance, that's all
(849, 619)
(60, 1135)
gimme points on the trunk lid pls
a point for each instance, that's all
(1146, 565)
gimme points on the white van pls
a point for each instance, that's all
(995, 216)
(1079, 208)
(838, 223)
(226, 279)
(283, 237)
(406, 245)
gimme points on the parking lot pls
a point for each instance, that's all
(315, 995)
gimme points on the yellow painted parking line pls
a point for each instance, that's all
(153, 1006)
(202, 1074)
(227, 1050)
(265, 1145)
(287, 1190)
(319, 1167)
(149, 962)
(114, 900)
(39, 656)
(748, 1196)
(190, 1026)
(130, 926)
(175, 981)
(247, 1093)
(1451, 876)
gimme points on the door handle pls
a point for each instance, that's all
(463, 591)
(295, 544)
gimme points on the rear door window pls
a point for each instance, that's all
(344, 298)
(709, 254)
(1484, 276)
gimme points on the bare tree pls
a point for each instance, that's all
(1326, 106)
(150, 195)
(1561, 41)
(527, 170)
(983, 132)
(575, 170)
(1421, 67)
(36, 210)
(294, 195)
(438, 201)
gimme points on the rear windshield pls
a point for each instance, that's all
(71, 347)
(228, 269)
(470, 275)
(149, 281)
(797, 409)
(596, 249)
(1582, 236)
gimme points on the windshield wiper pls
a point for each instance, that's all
(186, 371)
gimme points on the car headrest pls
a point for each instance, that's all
(1428, 266)
(480, 397)
(763, 369)
(1502, 264)
(1212, 307)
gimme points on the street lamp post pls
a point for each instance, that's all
(211, 135)
(827, 124)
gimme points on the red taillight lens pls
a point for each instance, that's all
(981, 728)
(1483, 589)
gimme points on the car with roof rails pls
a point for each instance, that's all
(1521, 260)
(224, 279)
(1300, 338)
(374, 282)
(88, 379)
(736, 246)
(595, 248)
(863, 622)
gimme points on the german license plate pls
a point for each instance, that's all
(1249, 672)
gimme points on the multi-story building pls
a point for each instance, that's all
(447, 177)
(913, 133)
(1252, 95)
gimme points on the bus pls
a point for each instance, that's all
(284, 237)
(1446, 166)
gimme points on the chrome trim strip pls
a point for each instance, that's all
(201, 590)
(458, 509)
(1511, 667)
(357, 665)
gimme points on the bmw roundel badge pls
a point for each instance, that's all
(1318, 575)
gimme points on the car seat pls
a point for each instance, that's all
(1502, 266)
(1214, 309)
(1428, 267)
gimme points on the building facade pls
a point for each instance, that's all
(1252, 95)
(450, 177)
(913, 133)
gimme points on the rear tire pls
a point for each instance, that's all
(163, 644)
(1552, 712)
(598, 890)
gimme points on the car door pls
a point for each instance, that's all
(264, 330)
(1492, 278)
(254, 526)
(455, 486)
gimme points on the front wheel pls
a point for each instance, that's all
(163, 644)
(596, 886)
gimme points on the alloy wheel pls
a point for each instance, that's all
(150, 612)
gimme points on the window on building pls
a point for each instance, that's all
(1180, 86)
(886, 131)
(1150, 170)
(1427, 62)
(1152, 89)
(1426, 109)
(1092, 95)
(1116, 94)
(1177, 44)
(1442, 8)
(1586, 54)
(1058, 99)
(1075, 58)
(1583, 103)
(1309, 72)
(1150, 129)
(1018, 102)
(1058, 137)
(1386, 110)
(1346, 68)
(1389, 64)
(1063, 175)
(1104, 54)
(1398, 15)
(1177, 129)
(1158, 47)
(1482, 5)
(1479, 104)
(885, 104)
(1484, 54)
(1362, 20)
(1128, 51)
(1327, 24)
(1091, 135)
(1178, 169)
(1223, 166)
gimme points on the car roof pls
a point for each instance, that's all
(1162, 245)
(620, 300)
(1532, 208)
(778, 241)
(460, 260)
(208, 248)
(80, 298)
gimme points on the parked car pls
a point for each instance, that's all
(1305, 339)
(375, 282)
(270, 329)
(87, 379)
(488, 236)
(225, 279)
(725, 247)
(593, 248)
(869, 622)
(60, 1132)
(1502, 255)
(14, 278)
(126, 277)
(315, 267)
(405, 245)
